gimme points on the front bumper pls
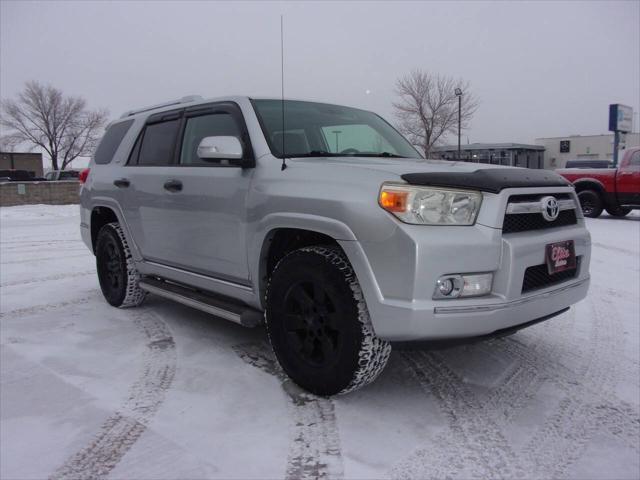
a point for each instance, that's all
(399, 287)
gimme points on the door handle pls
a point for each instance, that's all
(173, 185)
(122, 183)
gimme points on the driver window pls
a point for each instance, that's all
(355, 139)
(217, 124)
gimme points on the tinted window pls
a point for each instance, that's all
(635, 159)
(111, 141)
(69, 174)
(158, 143)
(218, 124)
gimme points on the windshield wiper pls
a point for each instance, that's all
(381, 154)
(314, 153)
(324, 153)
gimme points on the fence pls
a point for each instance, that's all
(30, 193)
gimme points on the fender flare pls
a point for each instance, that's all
(265, 229)
(114, 206)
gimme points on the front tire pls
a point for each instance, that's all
(117, 272)
(319, 325)
(591, 203)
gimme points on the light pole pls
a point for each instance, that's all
(337, 132)
(458, 92)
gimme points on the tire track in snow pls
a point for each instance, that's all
(60, 276)
(44, 259)
(20, 312)
(122, 429)
(315, 450)
(474, 445)
(586, 408)
(513, 393)
(614, 248)
(562, 438)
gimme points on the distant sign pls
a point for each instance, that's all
(565, 146)
(620, 118)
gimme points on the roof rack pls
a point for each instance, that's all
(187, 99)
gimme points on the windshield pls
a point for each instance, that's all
(323, 130)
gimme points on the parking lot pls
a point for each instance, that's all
(164, 391)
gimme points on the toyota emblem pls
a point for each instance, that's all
(550, 209)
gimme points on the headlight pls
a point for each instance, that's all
(430, 206)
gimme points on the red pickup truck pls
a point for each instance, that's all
(617, 190)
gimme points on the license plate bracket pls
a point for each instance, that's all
(560, 256)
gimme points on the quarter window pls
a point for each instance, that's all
(197, 128)
(158, 143)
(635, 159)
(111, 141)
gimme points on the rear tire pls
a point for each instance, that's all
(618, 211)
(117, 272)
(319, 325)
(591, 203)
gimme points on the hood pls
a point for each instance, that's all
(399, 166)
(445, 173)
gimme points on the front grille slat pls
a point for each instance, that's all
(523, 222)
(538, 276)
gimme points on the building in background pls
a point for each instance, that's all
(31, 162)
(512, 154)
(581, 147)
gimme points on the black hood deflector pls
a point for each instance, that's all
(492, 180)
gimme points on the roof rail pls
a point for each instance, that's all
(187, 99)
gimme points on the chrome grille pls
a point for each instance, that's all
(524, 213)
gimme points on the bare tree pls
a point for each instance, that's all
(44, 117)
(427, 109)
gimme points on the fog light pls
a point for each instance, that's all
(445, 287)
(469, 285)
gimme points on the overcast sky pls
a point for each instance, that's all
(540, 68)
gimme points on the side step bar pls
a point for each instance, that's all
(207, 302)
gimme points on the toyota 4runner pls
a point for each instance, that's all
(324, 223)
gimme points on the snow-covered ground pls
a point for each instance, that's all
(164, 391)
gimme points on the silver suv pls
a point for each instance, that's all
(324, 223)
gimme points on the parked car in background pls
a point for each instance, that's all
(62, 175)
(616, 190)
(19, 176)
(588, 164)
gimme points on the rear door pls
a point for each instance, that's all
(189, 213)
(146, 203)
(628, 179)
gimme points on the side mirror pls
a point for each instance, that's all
(220, 148)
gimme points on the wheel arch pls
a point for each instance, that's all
(590, 184)
(106, 212)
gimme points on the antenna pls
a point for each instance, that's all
(284, 161)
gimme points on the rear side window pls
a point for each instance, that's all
(111, 141)
(158, 143)
(635, 159)
(205, 126)
(69, 174)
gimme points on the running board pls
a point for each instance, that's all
(214, 304)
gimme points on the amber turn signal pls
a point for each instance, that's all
(393, 201)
